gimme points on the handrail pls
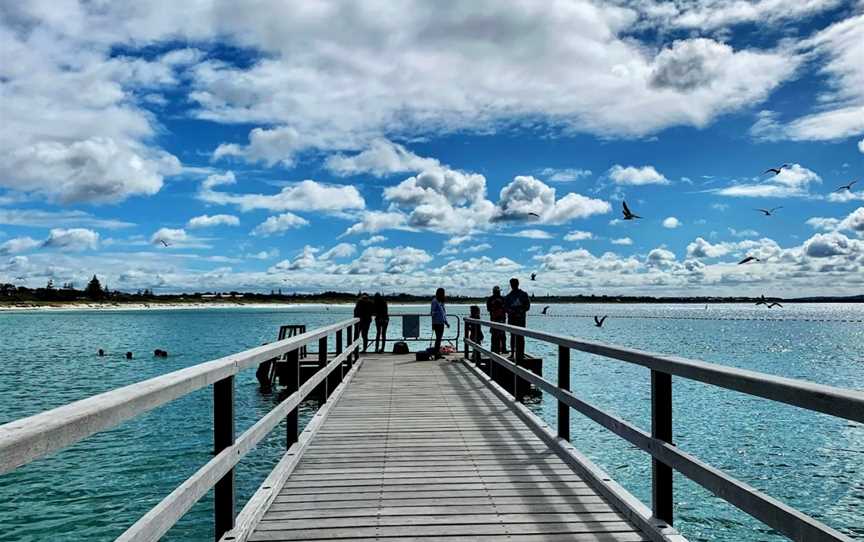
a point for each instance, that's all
(658, 444)
(27, 439)
(843, 403)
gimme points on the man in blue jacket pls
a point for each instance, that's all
(517, 304)
(439, 319)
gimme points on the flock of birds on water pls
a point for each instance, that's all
(629, 215)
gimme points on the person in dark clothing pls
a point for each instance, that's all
(497, 313)
(363, 310)
(382, 318)
(439, 319)
(517, 304)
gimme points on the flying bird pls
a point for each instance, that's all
(164, 242)
(846, 187)
(628, 215)
(749, 259)
(534, 214)
(546, 308)
(775, 304)
(599, 321)
(533, 276)
(769, 212)
(776, 170)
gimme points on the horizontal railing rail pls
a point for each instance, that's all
(25, 440)
(847, 404)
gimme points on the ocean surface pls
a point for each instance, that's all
(97, 488)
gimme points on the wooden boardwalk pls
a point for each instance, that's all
(424, 451)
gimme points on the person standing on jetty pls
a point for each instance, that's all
(439, 319)
(382, 318)
(363, 310)
(497, 313)
(517, 304)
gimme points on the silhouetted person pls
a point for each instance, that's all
(363, 310)
(517, 304)
(497, 313)
(439, 319)
(128, 355)
(382, 319)
(262, 373)
(100, 353)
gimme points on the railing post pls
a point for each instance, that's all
(465, 343)
(338, 342)
(564, 384)
(322, 362)
(223, 437)
(357, 336)
(293, 360)
(661, 428)
(350, 340)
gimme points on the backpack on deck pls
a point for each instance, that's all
(401, 348)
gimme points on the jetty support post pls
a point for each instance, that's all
(564, 384)
(339, 351)
(322, 362)
(293, 429)
(350, 338)
(661, 428)
(356, 336)
(465, 343)
(223, 437)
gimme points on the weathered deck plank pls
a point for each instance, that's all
(423, 451)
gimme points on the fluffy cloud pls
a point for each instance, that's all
(861, 146)
(171, 236)
(39, 218)
(72, 240)
(622, 241)
(305, 260)
(793, 181)
(854, 222)
(279, 224)
(381, 159)
(526, 195)
(268, 146)
(19, 244)
(340, 251)
(826, 245)
(635, 176)
(306, 195)
(208, 221)
(93, 170)
(578, 235)
(660, 257)
(671, 223)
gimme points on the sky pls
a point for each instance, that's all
(402, 146)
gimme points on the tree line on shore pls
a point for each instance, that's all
(95, 291)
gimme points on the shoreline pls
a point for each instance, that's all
(71, 307)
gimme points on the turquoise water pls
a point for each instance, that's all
(97, 488)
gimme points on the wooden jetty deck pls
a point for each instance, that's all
(431, 450)
(423, 451)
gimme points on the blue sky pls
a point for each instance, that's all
(399, 147)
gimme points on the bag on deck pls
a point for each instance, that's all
(400, 348)
(422, 355)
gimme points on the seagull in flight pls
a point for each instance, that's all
(775, 304)
(749, 259)
(599, 321)
(846, 187)
(628, 215)
(164, 242)
(776, 170)
(546, 308)
(534, 214)
(533, 276)
(769, 212)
